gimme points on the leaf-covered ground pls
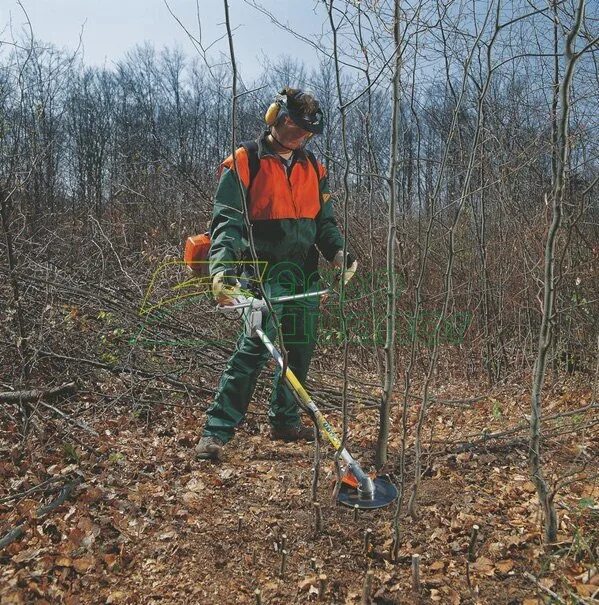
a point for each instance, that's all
(149, 524)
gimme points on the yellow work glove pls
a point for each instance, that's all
(348, 267)
(225, 288)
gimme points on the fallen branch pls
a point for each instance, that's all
(35, 394)
(80, 423)
(35, 488)
(118, 369)
(14, 534)
(477, 439)
(552, 594)
(358, 383)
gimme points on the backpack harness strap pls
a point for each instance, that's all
(251, 148)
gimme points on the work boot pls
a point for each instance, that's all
(209, 448)
(296, 432)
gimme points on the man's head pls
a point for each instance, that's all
(294, 117)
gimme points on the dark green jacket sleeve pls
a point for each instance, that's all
(328, 237)
(227, 228)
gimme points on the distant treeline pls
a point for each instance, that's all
(136, 147)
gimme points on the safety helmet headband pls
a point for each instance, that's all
(290, 105)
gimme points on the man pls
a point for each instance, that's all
(292, 220)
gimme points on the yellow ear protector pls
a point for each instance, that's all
(276, 110)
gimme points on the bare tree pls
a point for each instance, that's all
(560, 163)
(389, 380)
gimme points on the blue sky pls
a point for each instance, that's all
(111, 27)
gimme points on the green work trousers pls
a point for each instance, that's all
(299, 323)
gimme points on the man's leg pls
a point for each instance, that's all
(300, 326)
(235, 388)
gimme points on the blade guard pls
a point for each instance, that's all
(384, 494)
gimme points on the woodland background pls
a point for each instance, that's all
(448, 161)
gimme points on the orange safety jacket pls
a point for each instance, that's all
(289, 209)
(276, 195)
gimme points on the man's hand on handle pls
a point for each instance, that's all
(225, 288)
(348, 268)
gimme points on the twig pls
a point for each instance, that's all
(17, 532)
(472, 545)
(367, 587)
(367, 541)
(416, 573)
(316, 467)
(471, 553)
(283, 567)
(317, 517)
(31, 490)
(322, 585)
(475, 439)
(79, 423)
(552, 594)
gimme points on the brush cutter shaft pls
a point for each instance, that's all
(242, 302)
(252, 310)
(364, 481)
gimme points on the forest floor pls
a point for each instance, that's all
(146, 523)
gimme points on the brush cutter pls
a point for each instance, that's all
(357, 488)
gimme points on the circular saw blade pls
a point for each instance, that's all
(384, 493)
